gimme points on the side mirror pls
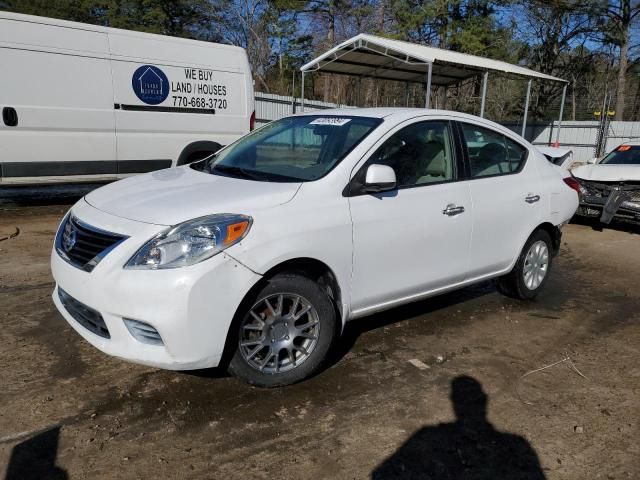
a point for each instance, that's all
(379, 178)
(593, 161)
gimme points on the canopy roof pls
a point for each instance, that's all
(377, 57)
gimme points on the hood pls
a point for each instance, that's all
(174, 195)
(608, 173)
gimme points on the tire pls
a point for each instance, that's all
(526, 286)
(272, 348)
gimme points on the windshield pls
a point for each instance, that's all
(623, 155)
(294, 149)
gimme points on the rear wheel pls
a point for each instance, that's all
(531, 271)
(285, 334)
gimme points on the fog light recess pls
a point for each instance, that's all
(143, 332)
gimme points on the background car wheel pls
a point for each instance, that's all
(285, 333)
(531, 271)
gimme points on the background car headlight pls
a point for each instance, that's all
(191, 242)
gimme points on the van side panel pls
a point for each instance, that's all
(192, 93)
(63, 98)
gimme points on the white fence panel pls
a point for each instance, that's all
(270, 106)
(580, 136)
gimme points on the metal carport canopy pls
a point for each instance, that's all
(370, 56)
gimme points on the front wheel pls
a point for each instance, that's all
(285, 334)
(531, 271)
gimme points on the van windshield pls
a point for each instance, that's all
(294, 149)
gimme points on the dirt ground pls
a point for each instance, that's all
(404, 398)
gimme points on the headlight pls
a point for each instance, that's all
(191, 242)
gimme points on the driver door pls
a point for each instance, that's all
(414, 239)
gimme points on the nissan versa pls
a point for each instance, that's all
(255, 258)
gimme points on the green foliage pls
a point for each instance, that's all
(588, 42)
(183, 18)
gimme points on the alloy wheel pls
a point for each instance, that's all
(279, 333)
(536, 265)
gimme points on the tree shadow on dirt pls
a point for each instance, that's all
(469, 448)
(35, 458)
(45, 195)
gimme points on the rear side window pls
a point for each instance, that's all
(491, 153)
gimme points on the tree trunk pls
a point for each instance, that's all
(622, 80)
(625, 25)
(331, 38)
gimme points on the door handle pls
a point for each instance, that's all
(10, 116)
(453, 210)
(532, 198)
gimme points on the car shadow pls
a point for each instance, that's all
(469, 448)
(35, 458)
(355, 328)
(616, 225)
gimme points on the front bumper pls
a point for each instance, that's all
(190, 307)
(609, 200)
(596, 207)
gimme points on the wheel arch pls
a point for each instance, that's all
(554, 232)
(316, 270)
(193, 148)
(312, 268)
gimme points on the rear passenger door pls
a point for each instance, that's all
(505, 191)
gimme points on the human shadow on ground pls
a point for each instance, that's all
(468, 449)
(35, 458)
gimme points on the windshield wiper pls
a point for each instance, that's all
(238, 171)
(254, 174)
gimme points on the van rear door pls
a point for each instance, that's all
(58, 81)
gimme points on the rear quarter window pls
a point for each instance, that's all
(491, 153)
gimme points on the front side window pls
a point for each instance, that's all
(491, 153)
(295, 149)
(420, 154)
(623, 155)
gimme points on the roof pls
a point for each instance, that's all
(406, 113)
(372, 112)
(383, 58)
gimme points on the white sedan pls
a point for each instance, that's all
(255, 258)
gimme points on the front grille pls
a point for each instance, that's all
(83, 245)
(595, 189)
(603, 189)
(598, 193)
(85, 316)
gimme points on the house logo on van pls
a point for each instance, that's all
(150, 84)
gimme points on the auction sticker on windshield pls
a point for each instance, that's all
(334, 121)
(186, 88)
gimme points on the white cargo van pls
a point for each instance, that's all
(87, 103)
